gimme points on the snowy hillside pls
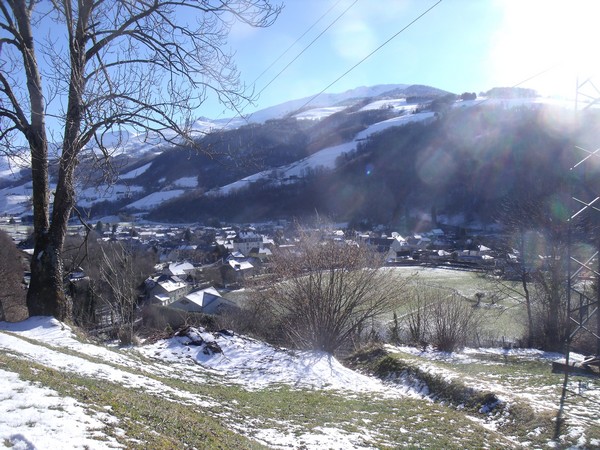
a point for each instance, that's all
(323, 100)
(59, 391)
(137, 152)
(324, 158)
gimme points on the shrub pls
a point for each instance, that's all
(12, 294)
(326, 293)
(440, 318)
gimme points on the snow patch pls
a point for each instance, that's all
(319, 113)
(186, 182)
(135, 172)
(38, 417)
(155, 199)
(87, 197)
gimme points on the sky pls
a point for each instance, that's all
(459, 46)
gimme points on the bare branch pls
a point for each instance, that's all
(112, 64)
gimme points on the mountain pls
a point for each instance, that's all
(348, 97)
(461, 165)
(382, 154)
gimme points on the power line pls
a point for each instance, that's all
(308, 46)
(239, 113)
(295, 42)
(372, 53)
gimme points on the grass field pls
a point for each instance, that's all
(502, 320)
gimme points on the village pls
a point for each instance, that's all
(197, 266)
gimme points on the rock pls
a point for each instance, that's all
(211, 348)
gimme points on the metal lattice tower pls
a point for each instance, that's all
(583, 281)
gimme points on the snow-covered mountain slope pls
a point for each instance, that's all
(325, 158)
(138, 152)
(323, 100)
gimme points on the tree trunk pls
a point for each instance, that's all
(553, 292)
(524, 282)
(553, 332)
(530, 331)
(46, 296)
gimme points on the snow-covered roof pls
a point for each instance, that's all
(248, 235)
(180, 268)
(187, 247)
(240, 265)
(171, 285)
(202, 297)
(266, 240)
(162, 298)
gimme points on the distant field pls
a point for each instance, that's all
(505, 320)
(465, 282)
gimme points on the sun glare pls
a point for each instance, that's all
(556, 40)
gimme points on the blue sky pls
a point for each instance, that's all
(460, 45)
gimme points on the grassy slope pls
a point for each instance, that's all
(520, 393)
(242, 419)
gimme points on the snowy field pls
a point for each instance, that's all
(190, 370)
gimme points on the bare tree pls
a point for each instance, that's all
(119, 280)
(326, 292)
(107, 66)
(540, 240)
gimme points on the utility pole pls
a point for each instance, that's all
(583, 279)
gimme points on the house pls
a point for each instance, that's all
(247, 240)
(399, 248)
(475, 256)
(437, 232)
(166, 289)
(179, 269)
(207, 301)
(261, 254)
(419, 242)
(239, 265)
(380, 244)
(236, 270)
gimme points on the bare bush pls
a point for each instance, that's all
(324, 293)
(453, 322)
(441, 318)
(417, 319)
(107, 298)
(12, 294)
